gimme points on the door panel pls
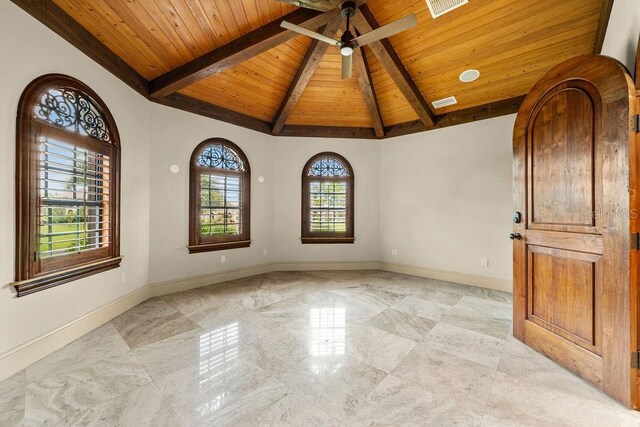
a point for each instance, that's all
(562, 160)
(564, 294)
(574, 297)
(564, 183)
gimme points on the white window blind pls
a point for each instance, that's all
(73, 199)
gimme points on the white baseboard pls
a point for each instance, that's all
(30, 352)
(20, 357)
(179, 285)
(451, 276)
(324, 266)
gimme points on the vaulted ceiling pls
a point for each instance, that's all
(229, 59)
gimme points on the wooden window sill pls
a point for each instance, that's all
(210, 247)
(327, 240)
(50, 280)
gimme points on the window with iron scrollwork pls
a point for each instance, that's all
(327, 200)
(73, 111)
(219, 197)
(219, 156)
(328, 166)
(71, 230)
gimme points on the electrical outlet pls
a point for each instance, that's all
(223, 259)
(394, 252)
(123, 278)
(265, 252)
(484, 262)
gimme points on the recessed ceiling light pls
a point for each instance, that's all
(469, 76)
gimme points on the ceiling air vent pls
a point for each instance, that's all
(440, 7)
(445, 102)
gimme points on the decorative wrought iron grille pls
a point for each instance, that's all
(72, 111)
(328, 166)
(221, 157)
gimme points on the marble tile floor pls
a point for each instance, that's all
(308, 348)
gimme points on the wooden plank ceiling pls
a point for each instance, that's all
(511, 42)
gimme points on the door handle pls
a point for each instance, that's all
(515, 236)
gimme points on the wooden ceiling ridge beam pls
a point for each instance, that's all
(246, 47)
(368, 90)
(364, 21)
(307, 68)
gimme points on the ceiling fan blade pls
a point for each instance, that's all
(388, 30)
(347, 66)
(300, 30)
(321, 5)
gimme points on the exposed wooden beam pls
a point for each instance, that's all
(328, 132)
(237, 51)
(483, 112)
(368, 91)
(205, 109)
(306, 70)
(365, 22)
(196, 106)
(56, 19)
(603, 24)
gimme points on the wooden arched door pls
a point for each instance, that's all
(575, 168)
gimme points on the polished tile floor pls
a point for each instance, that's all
(312, 348)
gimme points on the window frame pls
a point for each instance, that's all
(31, 273)
(217, 243)
(326, 237)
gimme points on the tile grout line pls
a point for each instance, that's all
(484, 412)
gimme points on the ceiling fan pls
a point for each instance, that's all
(348, 42)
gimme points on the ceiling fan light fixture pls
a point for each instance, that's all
(346, 50)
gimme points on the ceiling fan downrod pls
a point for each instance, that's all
(348, 10)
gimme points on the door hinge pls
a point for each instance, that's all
(635, 241)
(635, 123)
(635, 360)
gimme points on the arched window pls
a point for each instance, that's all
(67, 184)
(220, 197)
(327, 200)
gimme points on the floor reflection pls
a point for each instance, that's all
(218, 361)
(327, 345)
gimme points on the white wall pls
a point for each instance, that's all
(446, 198)
(275, 204)
(289, 157)
(30, 50)
(623, 32)
(175, 134)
